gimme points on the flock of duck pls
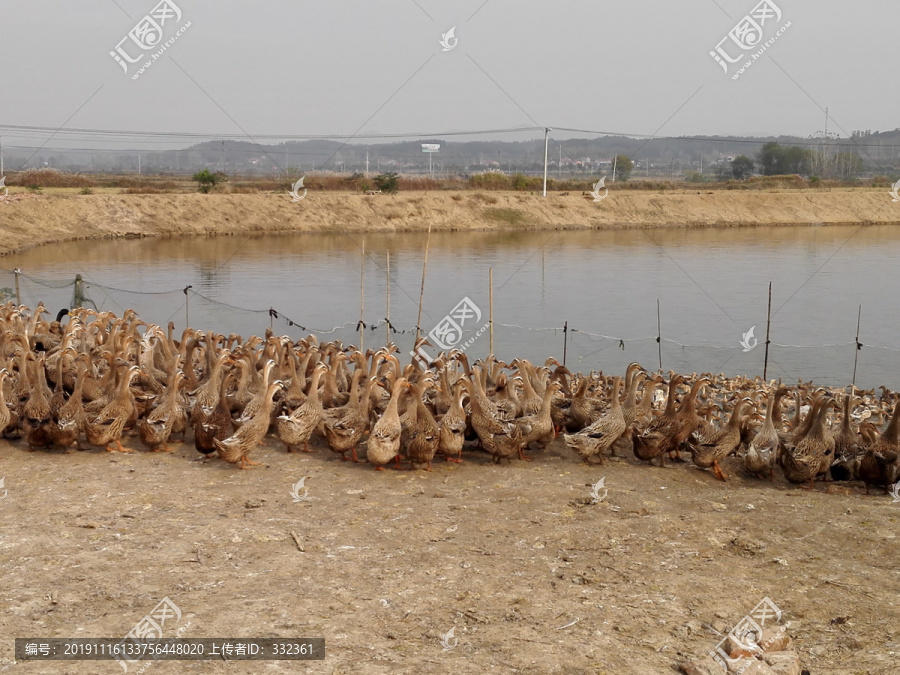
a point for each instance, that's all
(97, 378)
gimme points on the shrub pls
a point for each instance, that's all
(48, 178)
(86, 191)
(489, 181)
(387, 182)
(206, 180)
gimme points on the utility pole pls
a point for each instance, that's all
(223, 156)
(1, 155)
(546, 146)
(559, 166)
(615, 166)
(367, 162)
(139, 164)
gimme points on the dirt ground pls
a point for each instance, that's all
(531, 576)
(28, 220)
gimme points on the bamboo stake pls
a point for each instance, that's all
(491, 296)
(422, 291)
(187, 316)
(387, 330)
(768, 327)
(659, 334)
(565, 341)
(17, 272)
(858, 346)
(362, 297)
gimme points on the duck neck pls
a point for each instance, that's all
(735, 421)
(817, 430)
(394, 404)
(616, 404)
(631, 393)
(890, 433)
(313, 396)
(670, 400)
(845, 420)
(690, 403)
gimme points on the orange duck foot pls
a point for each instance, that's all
(379, 468)
(718, 471)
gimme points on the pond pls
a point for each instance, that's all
(711, 286)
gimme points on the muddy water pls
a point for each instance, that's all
(712, 287)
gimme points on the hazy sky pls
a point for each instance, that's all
(342, 67)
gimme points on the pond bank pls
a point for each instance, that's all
(32, 220)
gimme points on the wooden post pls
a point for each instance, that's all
(565, 341)
(17, 272)
(187, 316)
(768, 327)
(659, 334)
(362, 297)
(387, 330)
(858, 346)
(491, 305)
(422, 291)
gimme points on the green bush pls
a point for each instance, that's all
(387, 182)
(206, 180)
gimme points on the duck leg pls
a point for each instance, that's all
(718, 471)
(397, 460)
(246, 462)
(353, 453)
(120, 447)
(306, 446)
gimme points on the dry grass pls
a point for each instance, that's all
(480, 183)
(511, 217)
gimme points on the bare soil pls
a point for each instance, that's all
(532, 576)
(28, 220)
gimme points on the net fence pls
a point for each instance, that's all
(579, 345)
